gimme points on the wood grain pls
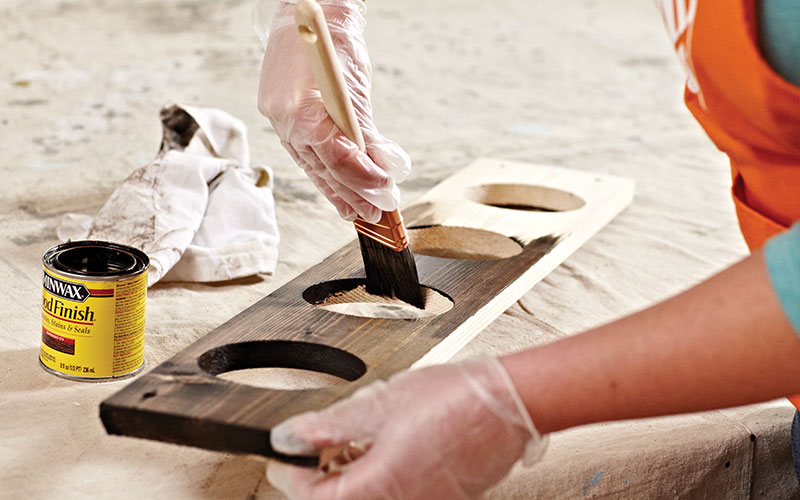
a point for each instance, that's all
(181, 400)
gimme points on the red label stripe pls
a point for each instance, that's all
(101, 292)
(58, 337)
(58, 343)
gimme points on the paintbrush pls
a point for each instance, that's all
(389, 265)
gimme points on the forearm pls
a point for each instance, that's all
(725, 342)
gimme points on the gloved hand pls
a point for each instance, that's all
(448, 431)
(356, 183)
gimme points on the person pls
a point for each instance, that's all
(452, 431)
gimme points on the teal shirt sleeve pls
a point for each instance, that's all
(779, 36)
(782, 256)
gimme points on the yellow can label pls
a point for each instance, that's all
(93, 329)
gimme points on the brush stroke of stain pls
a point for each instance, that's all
(589, 484)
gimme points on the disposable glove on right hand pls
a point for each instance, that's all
(356, 183)
(442, 432)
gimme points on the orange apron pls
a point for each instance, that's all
(750, 112)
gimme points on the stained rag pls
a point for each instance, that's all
(198, 210)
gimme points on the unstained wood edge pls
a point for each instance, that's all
(468, 330)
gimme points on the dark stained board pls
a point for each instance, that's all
(182, 401)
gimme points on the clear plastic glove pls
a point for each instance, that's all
(356, 183)
(443, 432)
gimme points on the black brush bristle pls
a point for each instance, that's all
(390, 273)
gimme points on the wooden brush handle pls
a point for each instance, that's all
(316, 38)
(326, 70)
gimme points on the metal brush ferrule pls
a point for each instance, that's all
(389, 231)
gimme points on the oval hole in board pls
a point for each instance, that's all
(525, 197)
(282, 364)
(463, 243)
(349, 297)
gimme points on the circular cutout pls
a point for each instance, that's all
(464, 243)
(350, 297)
(525, 197)
(282, 364)
(282, 379)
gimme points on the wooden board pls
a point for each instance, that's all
(531, 217)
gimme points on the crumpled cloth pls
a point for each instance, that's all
(198, 210)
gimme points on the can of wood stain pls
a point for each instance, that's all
(93, 302)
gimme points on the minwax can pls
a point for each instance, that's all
(93, 310)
